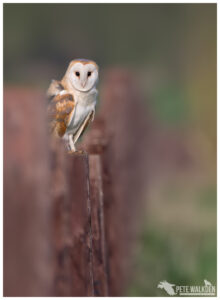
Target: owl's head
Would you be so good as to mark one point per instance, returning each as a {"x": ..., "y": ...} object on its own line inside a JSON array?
[{"x": 82, "y": 74}]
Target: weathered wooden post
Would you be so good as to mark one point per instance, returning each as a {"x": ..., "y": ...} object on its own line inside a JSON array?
[
  {"x": 28, "y": 259},
  {"x": 70, "y": 220},
  {"x": 98, "y": 226},
  {"x": 74, "y": 274},
  {"x": 79, "y": 225},
  {"x": 119, "y": 134}
]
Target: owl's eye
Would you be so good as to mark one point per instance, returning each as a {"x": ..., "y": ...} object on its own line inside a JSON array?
[
  {"x": 77, "y": 74},
  {"x": 89, "y": 74}
]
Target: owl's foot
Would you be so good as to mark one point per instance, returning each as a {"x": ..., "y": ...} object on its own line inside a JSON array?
[
  {"x": 72, "y": 148},
  {"x": 71, "y": 152},
  {"x": 76, "y": 152},
  {"x": 80, "y": 152}
]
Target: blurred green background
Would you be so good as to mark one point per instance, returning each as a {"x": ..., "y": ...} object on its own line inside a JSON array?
[{"x": 171, "y": 49}]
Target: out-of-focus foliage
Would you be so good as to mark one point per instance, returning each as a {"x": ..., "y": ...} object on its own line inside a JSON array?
[
  {"x": 171, "y": 49},
  {"x": 178, "y": 245},
  {"x": 109, "y": 33}
]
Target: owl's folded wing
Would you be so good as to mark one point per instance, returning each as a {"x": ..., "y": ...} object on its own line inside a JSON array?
[
  {"x": 60, "y": 111},
  {"x": 54, "y": 89}
]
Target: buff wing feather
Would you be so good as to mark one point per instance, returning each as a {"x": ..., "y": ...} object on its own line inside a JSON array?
[{"x": 60, "y": 111}]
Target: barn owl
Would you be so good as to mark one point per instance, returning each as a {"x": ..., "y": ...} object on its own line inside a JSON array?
[{"x": 73, "y": 100}]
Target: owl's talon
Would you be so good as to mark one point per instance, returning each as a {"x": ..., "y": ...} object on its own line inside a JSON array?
[
  {"x": 71, "y": 152},
  {"x": 76, "y": 152},
  {"x": 80, "y": 152}
]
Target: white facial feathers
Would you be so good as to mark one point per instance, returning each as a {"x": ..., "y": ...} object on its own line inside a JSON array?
[{"x": 82, "y": 76}]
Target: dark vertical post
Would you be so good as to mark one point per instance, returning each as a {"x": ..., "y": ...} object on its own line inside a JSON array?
[
  {"x": 119, "y": 135},
  {"x": 74, "y": 276},
  {"x": 98, "y": 227},
  {"x": 81, "y": 226}
]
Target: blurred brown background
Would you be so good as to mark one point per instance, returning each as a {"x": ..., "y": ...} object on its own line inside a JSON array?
[{"x": 171, "y": 51}]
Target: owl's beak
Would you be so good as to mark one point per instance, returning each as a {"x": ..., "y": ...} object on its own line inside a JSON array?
[{"x": 83, "y": 83}]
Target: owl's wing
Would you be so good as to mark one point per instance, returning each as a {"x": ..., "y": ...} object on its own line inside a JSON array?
[
  {"x": 60, "y": 111},
  {"x": 54, "y": 89}
]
